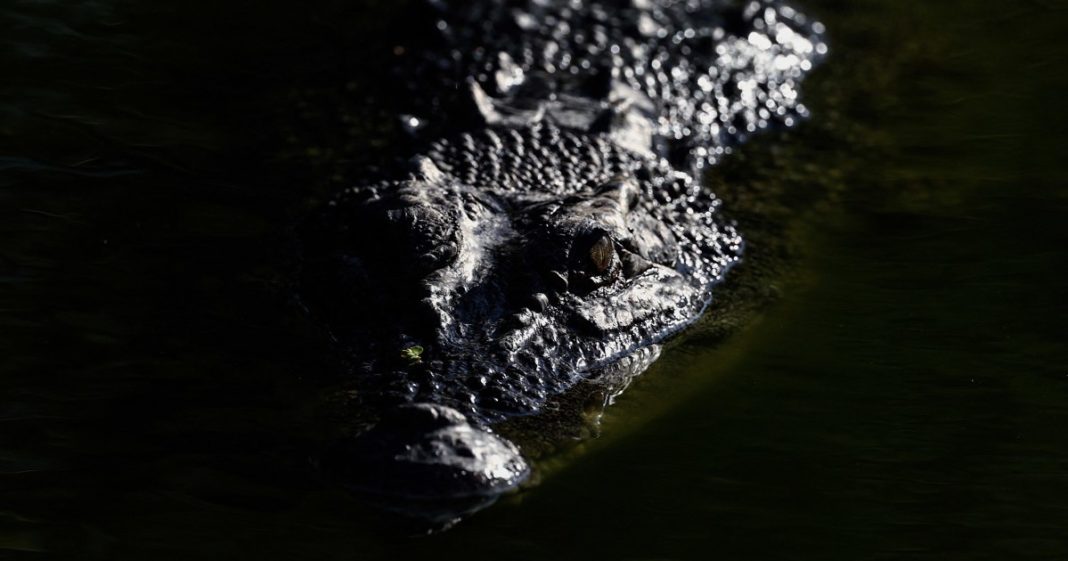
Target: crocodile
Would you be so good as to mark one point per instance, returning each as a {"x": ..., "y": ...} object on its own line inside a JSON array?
[{"x": 548, "y": 231}]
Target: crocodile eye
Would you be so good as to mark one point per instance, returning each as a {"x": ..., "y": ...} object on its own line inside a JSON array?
[{"x": 601, "y": 253}]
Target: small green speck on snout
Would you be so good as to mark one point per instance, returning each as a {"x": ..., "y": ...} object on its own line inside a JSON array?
[{"x": 412, "y": 353}]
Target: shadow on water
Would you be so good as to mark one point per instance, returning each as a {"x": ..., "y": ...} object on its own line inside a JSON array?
[{"x": 884, "y": 378}]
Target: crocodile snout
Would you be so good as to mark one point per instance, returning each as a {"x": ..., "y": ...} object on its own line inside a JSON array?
[{"x": 428, "y": 461}]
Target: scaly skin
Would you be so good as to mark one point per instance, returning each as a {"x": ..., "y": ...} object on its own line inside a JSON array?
[{"x": 556, "y": 238}]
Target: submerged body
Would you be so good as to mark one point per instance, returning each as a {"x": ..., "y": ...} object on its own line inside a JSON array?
[{"x": 553, "y": 233}]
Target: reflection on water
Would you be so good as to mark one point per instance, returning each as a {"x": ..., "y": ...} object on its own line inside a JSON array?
[{"x": 898, "y": 393}]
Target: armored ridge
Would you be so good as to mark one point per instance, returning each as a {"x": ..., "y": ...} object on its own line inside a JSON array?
[
  {"x": 559, "y": 239},
  {"x": 697, "y": 76}
]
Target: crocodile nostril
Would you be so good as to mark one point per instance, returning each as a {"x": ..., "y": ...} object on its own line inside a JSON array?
[{"x": 426, "y": 452}]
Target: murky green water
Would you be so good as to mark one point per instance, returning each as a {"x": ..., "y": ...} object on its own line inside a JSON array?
[{"x": 885, "y": 378}]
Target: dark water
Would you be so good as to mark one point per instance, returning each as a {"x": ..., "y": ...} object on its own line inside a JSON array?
[{"x": 893, "y": 386}]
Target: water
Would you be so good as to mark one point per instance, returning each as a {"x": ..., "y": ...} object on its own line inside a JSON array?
[{"x": 884, "y": 379}]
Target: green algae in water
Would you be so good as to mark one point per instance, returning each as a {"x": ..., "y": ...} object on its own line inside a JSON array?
[{"x": 412, "y": 354}]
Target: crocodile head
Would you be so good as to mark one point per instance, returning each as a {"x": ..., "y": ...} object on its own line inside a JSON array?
[{"x": 483, "y": 284}]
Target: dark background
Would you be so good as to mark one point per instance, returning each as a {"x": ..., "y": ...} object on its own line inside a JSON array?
[{"x": 901, "y": 394}]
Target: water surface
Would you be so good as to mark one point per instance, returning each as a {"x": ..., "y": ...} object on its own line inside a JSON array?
[{"x": 884, "y": 377}]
